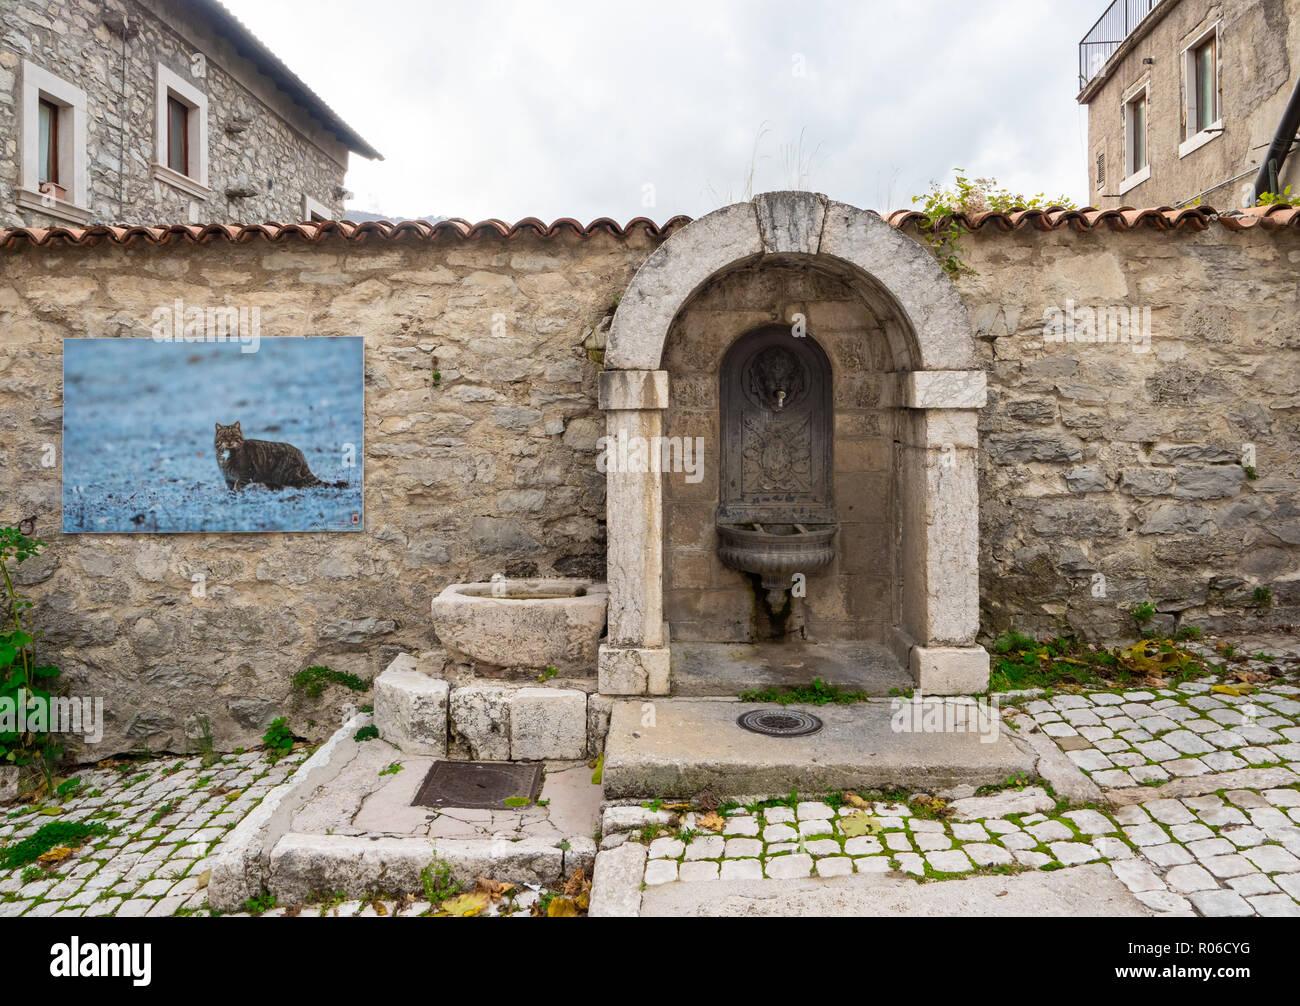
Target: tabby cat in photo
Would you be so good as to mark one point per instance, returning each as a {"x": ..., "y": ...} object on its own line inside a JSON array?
[{"x": 276, "y": 465}]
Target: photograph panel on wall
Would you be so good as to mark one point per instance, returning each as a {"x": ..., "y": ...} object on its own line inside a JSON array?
[{"x": 175, "y": 437}]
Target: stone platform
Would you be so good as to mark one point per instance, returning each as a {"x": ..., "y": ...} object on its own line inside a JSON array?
[
  {"x": 681, "y": 747},
  {"x": 727, "y": 669},
  {"x": 344, "y": 824}
]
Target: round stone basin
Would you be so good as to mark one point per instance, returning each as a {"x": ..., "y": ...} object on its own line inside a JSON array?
[
  {"x": 776, "y": 551},
  {"x": 524, "y": 623}
]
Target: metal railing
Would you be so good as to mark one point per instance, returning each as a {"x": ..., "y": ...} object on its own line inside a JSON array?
[{"x": 1109, "y": 33}]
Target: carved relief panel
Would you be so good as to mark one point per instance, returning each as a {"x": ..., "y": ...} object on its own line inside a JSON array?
[{"x": 776, "y": 430}]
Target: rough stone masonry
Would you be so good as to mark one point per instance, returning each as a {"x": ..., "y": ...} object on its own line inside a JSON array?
[{"x": 1108, "y": 476}]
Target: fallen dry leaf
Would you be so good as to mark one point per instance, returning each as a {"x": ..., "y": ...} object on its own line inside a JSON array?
[
  {"x": 494, "y": 889},
  {"x": 562, "y": 908},
  {"x": 853, "y": 800},
  {"x": 56, "y": 855},
  {"x": 712, "y": 820},
  {"x": 466, "y": 905}
]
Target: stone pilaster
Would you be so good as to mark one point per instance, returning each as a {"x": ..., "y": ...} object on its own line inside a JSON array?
[{"x": 634, "y": 659}]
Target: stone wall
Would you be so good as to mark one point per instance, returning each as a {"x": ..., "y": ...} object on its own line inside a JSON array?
[
  {"x": 1098, "y": 461},
  {"x": 281, "y": 152},
  {"x": 487, "y": 468}
]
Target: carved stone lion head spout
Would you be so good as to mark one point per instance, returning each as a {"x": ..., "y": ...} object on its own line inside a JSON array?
[{"x": 776, "y": 378}]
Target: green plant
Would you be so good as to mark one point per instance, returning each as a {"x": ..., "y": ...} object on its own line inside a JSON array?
[
  {"x": 369, "y": 733},
  {"x": 259, "y": 903},
  {"x": 278, "y": 739},
  {"x": 392, "y": 769},
  {"x": 312, "y": 681},
  {"x": 1143, "y": 612},
  {"x": 548, "y": 673},
  {"x": 819, "y": 693},
  {"x": 67, "y": 789},
  {"x": 1263, "y": 597},
  {"x": 1188, "y": 632},
  {"x": 56, "y": 834},
  {"x": 1250, "y": 472},
  {"x": 23, "y": 681},
  {"x": 204, "y": 745},
  {"x": 1274, "y": 198},
  {"x": 438, "y": 883},
  {"x": 945, "y": 210}
]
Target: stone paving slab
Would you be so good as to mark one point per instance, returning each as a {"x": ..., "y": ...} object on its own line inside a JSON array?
[
  {"x": 694, "y": 745},
  {"x": 1081, "y": 891}
]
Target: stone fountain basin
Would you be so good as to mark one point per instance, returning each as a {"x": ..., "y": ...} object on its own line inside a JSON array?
[
  {"x": 778, "y": 551},
  {"x": 524, "y": 623}
]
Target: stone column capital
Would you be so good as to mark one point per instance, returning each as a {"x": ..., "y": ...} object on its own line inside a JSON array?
[{"x": 944, "y": 389}]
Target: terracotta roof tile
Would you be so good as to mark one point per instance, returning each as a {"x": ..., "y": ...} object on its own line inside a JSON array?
[
  {"x": 420, "y": 230},
  {"x": 1166, "y": 218}
]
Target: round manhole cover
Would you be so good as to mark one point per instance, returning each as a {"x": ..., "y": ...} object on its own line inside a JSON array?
[{"x": 780, "y": 722}]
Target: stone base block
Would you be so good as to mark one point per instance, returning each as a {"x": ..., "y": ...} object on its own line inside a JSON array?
[
  {"x": 480, "y": 721},
  {"x": 633, "y": 671},
  {"x": 950, "y": 670},
  {"x": 548, "y": 723},
  {"x": 8, "y": 783},
  {"x": 411, "y": 708}
]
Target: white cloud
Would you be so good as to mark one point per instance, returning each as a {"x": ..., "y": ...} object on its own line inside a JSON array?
[{"x": 573, "y": 109}]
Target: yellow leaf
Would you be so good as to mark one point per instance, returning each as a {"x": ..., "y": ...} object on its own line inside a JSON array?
[
  {"x": 466, "y": 905},
  {"x": 1232, "y": 689},
  {"x": 56, "y": 855},
  {"x": 712, "y": 820},
  {"x": 855, "y": 824},
  {"x": 853, "y": 800},
  {"x": 562, "y": 908},
  {"x": 379, "y": 907}
]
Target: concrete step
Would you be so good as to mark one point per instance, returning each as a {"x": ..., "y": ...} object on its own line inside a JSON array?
[{"x": 681, "y": 747}]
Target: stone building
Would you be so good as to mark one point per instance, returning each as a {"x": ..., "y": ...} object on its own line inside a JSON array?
[
  {"x": 1184, "y": 99},
  {"x": 1101, "y": 413},
  {"x": 148, "y": 111}
]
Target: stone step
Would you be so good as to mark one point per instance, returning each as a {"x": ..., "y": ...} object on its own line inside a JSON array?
[{"x": 681, "y": 747}]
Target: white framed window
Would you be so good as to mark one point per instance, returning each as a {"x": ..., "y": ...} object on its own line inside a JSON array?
[
  {"x": 313, "y": 210},
  {"x": 53, "y": 146},
  {"x": 181, "y": 130},
  {"x": 1137, "y": 162},
  {"x": 1202, "y": 103}
]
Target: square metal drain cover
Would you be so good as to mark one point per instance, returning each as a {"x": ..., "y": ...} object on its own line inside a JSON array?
[{"x": 484, "y": 785}]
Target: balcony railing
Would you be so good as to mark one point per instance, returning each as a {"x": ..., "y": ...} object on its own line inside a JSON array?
[{"x": 1109, "y": 33}]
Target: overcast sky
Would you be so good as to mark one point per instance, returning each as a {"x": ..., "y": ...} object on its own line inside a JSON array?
[{"x": 589, "y": 109}]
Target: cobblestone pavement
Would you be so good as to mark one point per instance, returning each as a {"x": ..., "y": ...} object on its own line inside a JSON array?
[
  {"x": 1138, "y": 738},
  {"x": 163, "y": 819},
  {"x": 1233, "y": 852}
]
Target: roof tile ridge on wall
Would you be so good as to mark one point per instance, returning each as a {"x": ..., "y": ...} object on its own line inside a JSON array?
[{"x": 1165, "y": 218}]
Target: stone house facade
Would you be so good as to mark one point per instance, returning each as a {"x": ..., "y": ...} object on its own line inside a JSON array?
[
  {"x": 996, "y": 464},
  {"x": 1184, "y": 97},
  {"x": 141, "y": 111}
]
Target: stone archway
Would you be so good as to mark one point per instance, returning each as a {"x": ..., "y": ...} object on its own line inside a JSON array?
[{"x": 939, "y": 392}]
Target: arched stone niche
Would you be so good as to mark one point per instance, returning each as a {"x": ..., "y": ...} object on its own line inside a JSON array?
[{"x": 928, "y": 385}]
